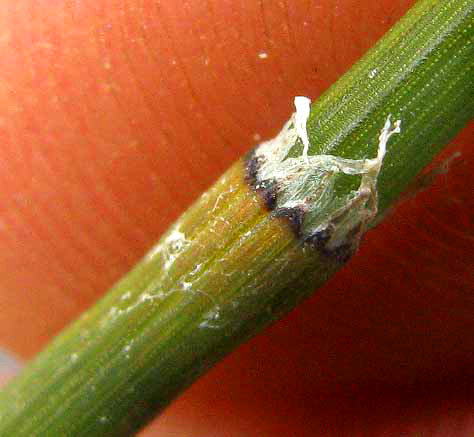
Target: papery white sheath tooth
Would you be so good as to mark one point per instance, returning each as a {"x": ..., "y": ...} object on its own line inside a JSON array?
[
  {"x": 302, "y": 105},
  {"x": 388, "y": 130}
]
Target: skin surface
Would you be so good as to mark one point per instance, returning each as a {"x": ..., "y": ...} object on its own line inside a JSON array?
[{"x": 115, "y": 115}]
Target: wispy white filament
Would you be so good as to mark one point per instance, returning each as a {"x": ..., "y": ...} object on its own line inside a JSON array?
[{"x": 302, "y": 105}]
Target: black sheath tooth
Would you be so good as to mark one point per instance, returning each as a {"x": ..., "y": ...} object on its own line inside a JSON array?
[
  {"x": 318, "y": 240},
  {"x": 252, "y": 165},
  {"x": 267, "y": 188},
  {"x": 294, "y": 216},
  {"x": 268, "y": 191},
  {"x": 342, "y": 253}
]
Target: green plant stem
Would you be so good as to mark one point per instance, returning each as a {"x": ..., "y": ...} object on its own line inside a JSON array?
[{"x": 229, "y": 266}]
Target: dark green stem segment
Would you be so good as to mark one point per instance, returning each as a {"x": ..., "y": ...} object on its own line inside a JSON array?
[
  {"x": 228, "y": 267},
  {"x": 421, "y": 72}
]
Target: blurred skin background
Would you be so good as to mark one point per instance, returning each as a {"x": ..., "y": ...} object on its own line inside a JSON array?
[{"x": 116, "y": 114}]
